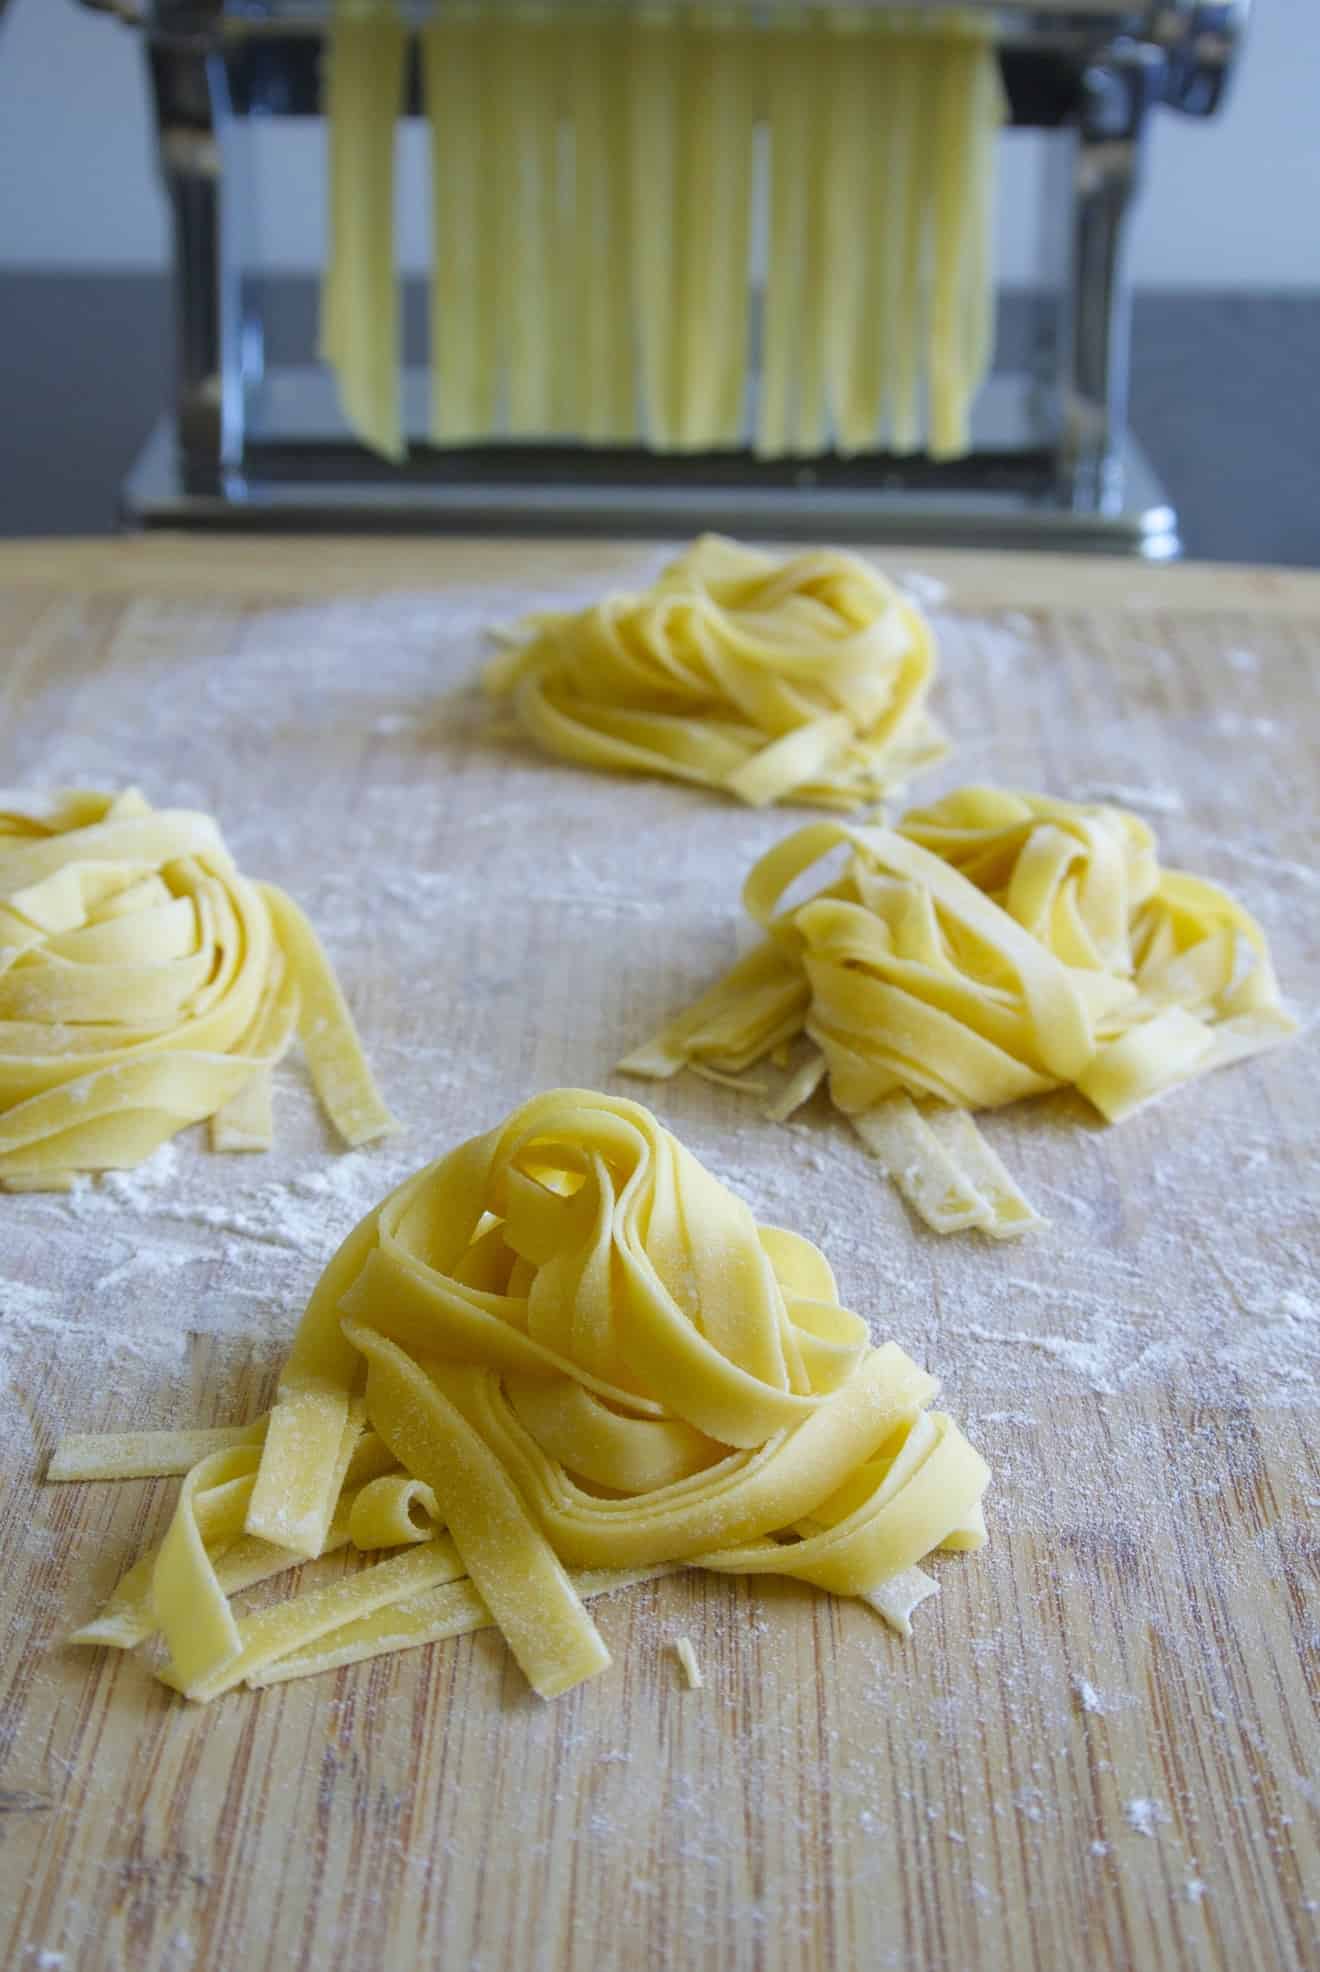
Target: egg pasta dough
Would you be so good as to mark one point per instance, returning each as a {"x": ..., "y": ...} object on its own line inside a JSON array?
[
  {"x": 803, "y": 679},
  {"x": 991, "y": 947},
  {"x": 146, "y": 984},
  {"x": 560, "y": 1360},
  {"x": 596, "y": 180}
]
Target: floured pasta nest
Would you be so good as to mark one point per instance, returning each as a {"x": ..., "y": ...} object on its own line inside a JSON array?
[
  {"x": 573, "y": 1349},
  {"x": 796, "y": 680},
  {"x": 145, "y": 985},
  {"x": 991, "y": 947}
]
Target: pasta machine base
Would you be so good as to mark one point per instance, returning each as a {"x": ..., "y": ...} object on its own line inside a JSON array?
[{"x": 1005, "y": 495}]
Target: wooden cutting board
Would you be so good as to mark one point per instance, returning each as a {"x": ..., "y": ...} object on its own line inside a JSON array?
[{"x": 1099, "y": 1750}]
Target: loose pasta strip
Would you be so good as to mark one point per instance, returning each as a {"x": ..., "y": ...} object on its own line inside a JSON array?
[
  {"x": 945, "y": 1169},
  {"x": 228, "y": 1561},
  {"x": 687, "y": 1663},
  {"x": 579, "y": 1353},
  {"x": 144, "y": 1454},
  {"x": 431, "y": 1617},
  {"x": 805, "y": 679},
  {"x": 271, "y": 1633},
  {"x": 993, "y": 947},
  {"x": 146, "y": 984}
]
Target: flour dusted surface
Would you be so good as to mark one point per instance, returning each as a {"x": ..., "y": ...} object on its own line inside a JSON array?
[{"x": 502, "y": 924}]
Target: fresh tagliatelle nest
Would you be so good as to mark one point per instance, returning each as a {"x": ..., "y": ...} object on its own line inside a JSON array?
[
  {"x": 797, "y": 680},
  {"x": 562, "y": 1359},
  {"x": 991, "y": 947},
  {"x": 145, "y": 984}
]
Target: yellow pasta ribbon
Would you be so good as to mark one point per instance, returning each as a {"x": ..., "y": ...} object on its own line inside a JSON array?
[
  {"x": 209, "y": 1556},
  {"x": 146, "y": 984},
  {"x": 593, "y": 1356},
  {"x": 393, "y": 1511},
  {"x": 359, "y": 337},
  {"x": 595, "y": 180},
  {"x": 797, "y": 680},
  {"x": 572, "y": 1347},
  {"x": 144, "y": 1454},
  {"x": 994, "y": 946},
  {"x": 431, "y": 1616}
]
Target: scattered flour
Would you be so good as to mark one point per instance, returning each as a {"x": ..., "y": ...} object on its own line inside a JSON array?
[
  {"x": 1145, "y": 1817},
  {"x": 1153, "y": 800},
  {"x": 498, "y": 930},
  {"x": 178, "y": 1250},
  {"x": 928, "y": 590},
  {"x": 1088, "y": 1360},
  {"x": 1237, "y": 725},
  {"x": 1114, "y": 1299}
]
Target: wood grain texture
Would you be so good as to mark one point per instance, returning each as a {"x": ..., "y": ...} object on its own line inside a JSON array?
[{"x": 1100, "y": 1750}]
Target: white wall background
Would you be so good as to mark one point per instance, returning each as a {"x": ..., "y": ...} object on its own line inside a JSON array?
[{"x": 1232, "y": 203}]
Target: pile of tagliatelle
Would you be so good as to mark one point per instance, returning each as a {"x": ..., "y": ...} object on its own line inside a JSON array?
[
  {"x": 562, "y": 1359},
  {"x": 773, "y": 680},
  {"x": 146, "y": 984},
  {"x": 991, "y": 947}
]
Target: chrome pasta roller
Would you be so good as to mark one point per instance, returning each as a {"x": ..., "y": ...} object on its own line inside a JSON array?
[{"x": 688, "y": 266}]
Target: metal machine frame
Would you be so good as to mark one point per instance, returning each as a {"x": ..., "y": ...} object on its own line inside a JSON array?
[{"x": 1053, "y": 463}]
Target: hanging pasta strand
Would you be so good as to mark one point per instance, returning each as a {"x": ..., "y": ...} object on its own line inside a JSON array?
[
  {"x": 953, "y": 219},
  {"x": 785, "y": 99},
  {"x": 653, "y": 129},
  {"x": 695, "y": 333},
  {"x": 715, "y": 194},
  {"x": 988, "y": 114},
  {"x": 497, "y": 294},
  {"x": 592, "y": 213},
  {"x": 851, "y": 177},
  {"x": 616, "y": 299},
  {"x": 533, "y": 146},
  {"x": 860, "y": 385},
  {"x": 894, "y": 122},
  {"x": 359, "y": 335},
  {"x": 601, "y": 354},
  {"x": 812, "y": 425},
  {"x": 922, "y": 65},
  {"x": 450, "y": 83},
  {"x": 565, "y": 302}
]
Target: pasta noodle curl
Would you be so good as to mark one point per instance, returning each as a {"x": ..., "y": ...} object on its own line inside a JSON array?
[
  {"x": 573, "y": 1349},
  {"x": 994, "y": 946},
  {"x": 145, "y": 984},
  {"x": 797, "y": 680}
]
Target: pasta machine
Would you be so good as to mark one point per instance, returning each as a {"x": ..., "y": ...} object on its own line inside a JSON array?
[{"x": 254, "y": 441}]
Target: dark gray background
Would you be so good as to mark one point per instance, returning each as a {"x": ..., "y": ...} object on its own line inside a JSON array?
[{"x": 1226, "y": 400}]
